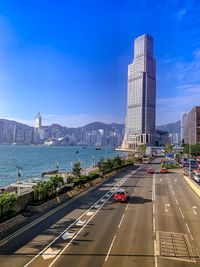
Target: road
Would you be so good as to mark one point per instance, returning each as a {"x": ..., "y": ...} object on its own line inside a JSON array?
[{"x": 158, "y": 226}]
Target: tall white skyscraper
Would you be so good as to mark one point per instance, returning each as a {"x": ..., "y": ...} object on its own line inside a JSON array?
[
  {"x": 37, "y": 128},
  {"x": 141, "y": 97}
]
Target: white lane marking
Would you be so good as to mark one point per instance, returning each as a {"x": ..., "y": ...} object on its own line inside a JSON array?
[
  {"x": 121, "y": 221},
  {"x": 189, "y": 231},
  {"x": 67, "y": 245},
  {"x": 166, "y": 207},
  {"x": 155, "y": 254},
  {"x": 154, "y": 220},
  {"x": 194, "y": 208},
  {"x": 172, "y": 191},
  {"x": 86, "y": 212},
  {"x": 153, "y": 209},
  {"x": 18, "y": 232},
  {"x": 176, "y": 201},
  {"x": 89, "y": 213},
  {"x": 110, "y": 248},
  {"x": 127, "y": 207},
  {"x": 103, "y": 200},
  {"x": 80, "y": 223},
  {"x": 175, "y": 180},
  {"x": 154, "y": 224},
  {"x": 67, "y": 235},
  {"x": 50, "y": 253},
  {"x": 160, "y": 179},
  {"x": 181, "y": 213}
]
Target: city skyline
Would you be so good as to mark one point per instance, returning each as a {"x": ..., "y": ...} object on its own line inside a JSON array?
[{"x": 71, "y": 63}]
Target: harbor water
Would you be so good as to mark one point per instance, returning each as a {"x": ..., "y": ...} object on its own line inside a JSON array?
[{"x": 37, "y": 159}]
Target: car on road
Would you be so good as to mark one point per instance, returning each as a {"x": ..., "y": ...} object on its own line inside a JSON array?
[
  {"x": 163, "y": 170},
  {"x": 150, "y": 170},
  {"x": 197, "y": 175},
  {"x": 121, "y": 195}
]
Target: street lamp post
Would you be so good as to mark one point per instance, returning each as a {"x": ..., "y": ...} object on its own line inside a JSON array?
[{"x": 18, "y": 169}]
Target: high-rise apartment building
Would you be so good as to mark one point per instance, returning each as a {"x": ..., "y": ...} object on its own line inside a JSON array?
[
  {"x": 141, "y": 97},
  {"x": 192, "y": 127}
]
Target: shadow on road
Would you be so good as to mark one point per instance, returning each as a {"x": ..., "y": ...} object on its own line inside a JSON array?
[{"x": 139, "y": 200}]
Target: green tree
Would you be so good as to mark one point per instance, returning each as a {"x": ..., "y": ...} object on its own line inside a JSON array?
[
  {"x": 109, "y": 163},
  {"x": 76, "y": 169},
  {"x": 7, "y": 203},
  {"x": 102, "y": 165},
  {"x": 117, "y": 161},
  {"x": 142, "y": 150},
  {"x": 168, "y": 148}
]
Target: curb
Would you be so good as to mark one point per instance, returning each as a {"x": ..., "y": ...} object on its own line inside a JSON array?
[{"x": 192, "y": 185}]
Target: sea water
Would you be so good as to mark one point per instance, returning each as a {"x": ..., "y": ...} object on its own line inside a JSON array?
[{"x": 37, "y": 159}]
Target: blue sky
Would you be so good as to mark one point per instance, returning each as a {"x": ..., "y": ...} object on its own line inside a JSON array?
[{"x": 68, "y": 59}]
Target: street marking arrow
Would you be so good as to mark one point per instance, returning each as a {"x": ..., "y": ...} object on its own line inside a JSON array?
[
  {"x": 166, "y": 207},
  {"x": 96, "y": 206},
  {"x": 50, "y": 253},
  {"x": 80, "y": 223},
  {"x": 194, "y": 208},
  {"x": 67, "y": 235},
  {"x": 89, "y": 213}
]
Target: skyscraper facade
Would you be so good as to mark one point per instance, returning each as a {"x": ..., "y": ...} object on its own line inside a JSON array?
[
  {"x": 192, "y": 127},
  {"x": 141, "y": 97}
]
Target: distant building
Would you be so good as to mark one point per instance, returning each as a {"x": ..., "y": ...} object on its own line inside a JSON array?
[
  {"x": 37, "y": 128},
  {"x": 141, "y": 102},
  {"x": 161, "y": 138},
  {"x": 183, "y": 123},
  {"x": 192, "y": 126}
]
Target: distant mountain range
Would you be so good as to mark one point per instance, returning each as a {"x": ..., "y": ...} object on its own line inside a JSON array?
[
  {"x": 7, "y": 128},
  {"x": 171, "y": 128}
]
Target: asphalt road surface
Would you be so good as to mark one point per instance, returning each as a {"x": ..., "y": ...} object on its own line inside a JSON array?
[{"x": 158, "y": 226}]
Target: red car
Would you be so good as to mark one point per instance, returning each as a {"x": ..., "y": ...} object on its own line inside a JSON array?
[
  {"x": 150, "y": 170},
  {"x": 163, "y": 170},
  {"x": 121, "y": 195}
]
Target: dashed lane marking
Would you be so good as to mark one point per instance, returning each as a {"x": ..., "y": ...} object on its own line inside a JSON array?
[{"x": 110, "y": 248}]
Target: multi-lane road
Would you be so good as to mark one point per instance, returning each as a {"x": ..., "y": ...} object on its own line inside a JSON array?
[{"x": 158, "y": 226}]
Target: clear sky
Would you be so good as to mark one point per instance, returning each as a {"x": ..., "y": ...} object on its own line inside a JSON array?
[{"x": 68, "y": 59}]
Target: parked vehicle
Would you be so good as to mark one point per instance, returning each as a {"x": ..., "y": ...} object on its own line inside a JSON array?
[{"x": 121, "y": 195}]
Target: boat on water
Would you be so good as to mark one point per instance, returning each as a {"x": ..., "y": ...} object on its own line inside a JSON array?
[{"x": 97, "y": 148}]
